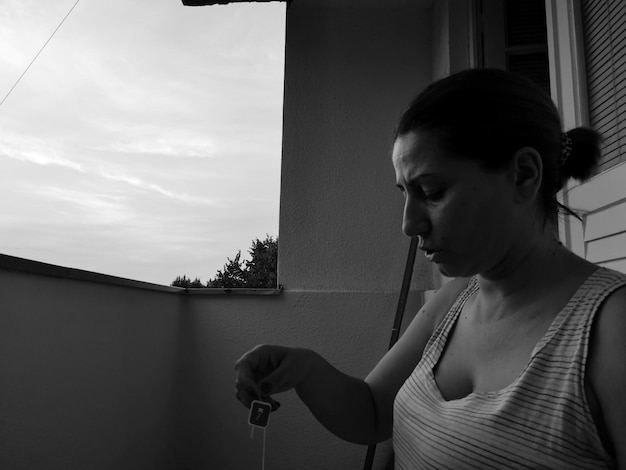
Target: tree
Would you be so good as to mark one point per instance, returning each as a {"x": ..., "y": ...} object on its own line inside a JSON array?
[
  {"x": 262, "y": 267},
  {"x": 258, "y": 272},
  {"x": 231, "y": 276},
  {"x": 186, "y": 282}
]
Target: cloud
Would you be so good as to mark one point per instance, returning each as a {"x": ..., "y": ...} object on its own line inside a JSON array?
[
  {"x": 89, "y": 208},
  {"x": 35, "y": 151},
  {"x": 41, "y": 158},
  {"x": 139, "y": 183},
  {"x": 174, "y": 143}
]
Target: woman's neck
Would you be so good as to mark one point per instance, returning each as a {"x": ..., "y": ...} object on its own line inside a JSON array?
[{"x": 532, "y": 268}]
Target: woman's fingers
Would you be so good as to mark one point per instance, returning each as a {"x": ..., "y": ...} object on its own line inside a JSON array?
[
  {"x": 245, "y": 377},
  {"x": 263, "y": 371},
  {"x": 245, "y": 397},
  {"x": 248, "y": 369},
  {"x": 291, "y": 369}
]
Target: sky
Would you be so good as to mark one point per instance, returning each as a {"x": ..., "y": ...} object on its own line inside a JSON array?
[{"x": 145, "y": 140}]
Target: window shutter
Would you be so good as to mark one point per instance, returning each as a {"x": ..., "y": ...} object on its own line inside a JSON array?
[
  {"x": 526, "y": 39},
  {"x": 604, "y": 30}
]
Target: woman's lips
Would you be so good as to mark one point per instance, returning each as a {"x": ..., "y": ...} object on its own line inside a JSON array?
[{"x": 432, "y": 255}]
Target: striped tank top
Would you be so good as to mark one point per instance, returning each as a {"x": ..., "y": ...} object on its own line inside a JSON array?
[{"x": 541, "y": 420}]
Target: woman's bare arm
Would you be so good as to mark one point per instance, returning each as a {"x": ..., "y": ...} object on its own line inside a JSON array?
[
  {"x": 606, "y": 369},
  {"x": 356, "y": 410}
]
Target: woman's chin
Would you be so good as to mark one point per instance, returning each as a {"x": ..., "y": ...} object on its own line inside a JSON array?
[{"x": 449, "y": 270}]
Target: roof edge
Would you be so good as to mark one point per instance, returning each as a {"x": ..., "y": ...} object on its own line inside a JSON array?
[{"x": 201, "y": 3}]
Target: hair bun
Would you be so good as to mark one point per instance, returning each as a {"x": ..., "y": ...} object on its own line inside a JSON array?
[{"x": 584, "y": 155}]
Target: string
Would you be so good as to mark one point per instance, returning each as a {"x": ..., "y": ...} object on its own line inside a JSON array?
[
  {"x": 40, "y": 51},
  {"x": 263, "y": 457}
]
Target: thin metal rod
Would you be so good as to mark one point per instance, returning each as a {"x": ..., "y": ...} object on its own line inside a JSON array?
[{"x": 397, "y": 324}]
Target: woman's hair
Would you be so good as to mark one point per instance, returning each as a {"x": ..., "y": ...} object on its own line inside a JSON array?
[{"x": 489, "y": 114}]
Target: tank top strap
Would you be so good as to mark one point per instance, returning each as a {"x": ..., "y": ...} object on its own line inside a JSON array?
[
  {"x": 438, "y": 339},
  {"x": 570, "y": 333}
]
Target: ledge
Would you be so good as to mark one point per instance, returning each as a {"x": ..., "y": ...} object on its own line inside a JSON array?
[
  {"x": 13, "y": 263},
  {"x": 233, "y": 291}
]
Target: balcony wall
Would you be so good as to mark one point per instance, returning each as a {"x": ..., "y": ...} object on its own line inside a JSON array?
[
  {"x": 90, "y": 373},
  {"x": 350, "y": 329},
  {"x": 100, "y": 373}
]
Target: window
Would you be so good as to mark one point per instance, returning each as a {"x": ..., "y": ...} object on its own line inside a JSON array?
[
  {"x": 514, "y": 38},
  {"x": 145, "y": 140},
  {"x": 526, "y": 40},
  {"x": 605, "y": 56}
]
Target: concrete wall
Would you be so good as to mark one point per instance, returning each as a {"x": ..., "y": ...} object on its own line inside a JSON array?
[
  {"x": 99, "y": 376},
  {"x": 89, "y": 375},
  {"x": 350, "y": 329},
  {"x": 349, "y": 75}
]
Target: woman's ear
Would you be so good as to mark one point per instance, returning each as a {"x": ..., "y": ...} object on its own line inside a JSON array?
[{"x": 527, "y": 168}]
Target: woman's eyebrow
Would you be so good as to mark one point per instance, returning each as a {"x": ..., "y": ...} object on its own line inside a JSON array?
[
  {"x": 421, "y": 176},
  {"x": 418, "y": 179}
]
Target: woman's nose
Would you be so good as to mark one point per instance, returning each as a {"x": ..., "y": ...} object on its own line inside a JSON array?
[{"x": 415, "y": 221}]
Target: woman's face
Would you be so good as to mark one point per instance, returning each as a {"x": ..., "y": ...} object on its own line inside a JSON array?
[{"x": 463, "y": 215}]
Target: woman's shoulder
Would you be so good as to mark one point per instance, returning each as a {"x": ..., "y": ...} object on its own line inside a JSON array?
[
  {"x": 612, "y": 311},
  {"x": 611, "y": 314},
  {"x": 609, "y": 273},
  {"x": 611, "y": 286},
  {"x": 605, "y": 365},
  {"x": 445, "y": 297}
]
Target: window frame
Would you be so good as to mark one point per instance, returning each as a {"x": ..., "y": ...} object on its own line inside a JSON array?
[{"x": 569, "y": 91}]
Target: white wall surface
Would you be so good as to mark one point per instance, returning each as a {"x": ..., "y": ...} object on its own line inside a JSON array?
[{"x": 601, "y": 237}]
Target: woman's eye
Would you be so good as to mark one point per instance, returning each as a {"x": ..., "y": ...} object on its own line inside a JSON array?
[{"x": 434, "y": 195}]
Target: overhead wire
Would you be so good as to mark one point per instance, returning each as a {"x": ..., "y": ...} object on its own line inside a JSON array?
[{"x": 38, "y": 53}]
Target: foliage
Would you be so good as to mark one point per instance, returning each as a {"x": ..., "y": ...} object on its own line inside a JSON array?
[
  {"x": 261, "y": 269},
  {"x": 186, "y": 282},
  {"x": 233, "y": 274},
  {"x": 258, "y": 272}
]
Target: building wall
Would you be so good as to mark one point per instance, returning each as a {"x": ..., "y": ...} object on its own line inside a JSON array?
[
  {"x": 601, "y": 237},
  {"x": 349, "y": 75},
  {"x": 452, "y": 37}
]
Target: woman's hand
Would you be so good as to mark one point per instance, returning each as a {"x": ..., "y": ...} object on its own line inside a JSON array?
[
  {"x": 343, "y": 404},
  {"x": 266, "y": 370}
]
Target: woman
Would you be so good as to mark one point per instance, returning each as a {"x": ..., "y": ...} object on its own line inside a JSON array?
[{"x": 518, "y": 362}]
